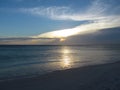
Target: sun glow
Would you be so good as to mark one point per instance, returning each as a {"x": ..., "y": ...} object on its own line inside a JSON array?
[
  {"x": 63, "y": 33},
  {"x": 62, "y": 40}
]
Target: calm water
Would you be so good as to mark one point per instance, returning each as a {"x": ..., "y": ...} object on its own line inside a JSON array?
[{"x": 24, "y": 61}]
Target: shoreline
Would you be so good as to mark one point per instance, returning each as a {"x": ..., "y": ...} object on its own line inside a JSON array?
[
  {"x": 5, "y": 79},
  {"x": 92, "y": 77}
]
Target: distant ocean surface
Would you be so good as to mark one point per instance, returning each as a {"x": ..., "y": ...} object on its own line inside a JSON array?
[{"x": 27, "y": 61}]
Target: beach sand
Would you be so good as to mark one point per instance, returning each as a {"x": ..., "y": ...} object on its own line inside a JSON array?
[{"x": 95, "y": 77}]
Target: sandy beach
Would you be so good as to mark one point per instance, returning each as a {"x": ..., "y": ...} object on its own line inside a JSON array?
[{"x": 95, "y": 77}]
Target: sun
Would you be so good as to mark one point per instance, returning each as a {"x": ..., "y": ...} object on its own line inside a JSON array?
[{"x": 62, "y": 39}]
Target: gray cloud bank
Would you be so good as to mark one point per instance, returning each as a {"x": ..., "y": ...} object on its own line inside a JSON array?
[{"x": 105, "y": 36}]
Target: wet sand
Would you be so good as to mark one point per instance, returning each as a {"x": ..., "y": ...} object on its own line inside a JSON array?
[{"x": 95, "y": 77}]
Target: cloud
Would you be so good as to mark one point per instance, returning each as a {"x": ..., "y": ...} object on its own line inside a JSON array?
[
  {"x": 104, "y": 36},
  {"x": 110, "y": 22},
  {"x": 26, "y": 40},
  {"x": 93, "y": 12},
  {"x": 96, "y": 15},
  {"x": 53, "y": 12}
]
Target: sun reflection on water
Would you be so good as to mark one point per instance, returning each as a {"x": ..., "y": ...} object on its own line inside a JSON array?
[
  {"x": 66, "y": 62},
  {"x": 66, "y": 58}
]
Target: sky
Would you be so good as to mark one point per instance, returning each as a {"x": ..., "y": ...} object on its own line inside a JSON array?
[{"x": 58, "y": 21}]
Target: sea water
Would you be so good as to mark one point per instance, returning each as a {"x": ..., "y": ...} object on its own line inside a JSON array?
[{"x": 18, "y": 61}]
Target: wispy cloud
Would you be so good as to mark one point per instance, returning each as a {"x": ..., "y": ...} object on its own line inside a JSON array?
[
  {"x": 95, "y": 11},
  {"x": 53, "y": 12}
]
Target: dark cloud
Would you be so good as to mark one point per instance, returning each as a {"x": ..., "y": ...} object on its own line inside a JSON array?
[{"x": 105, "y": 36}]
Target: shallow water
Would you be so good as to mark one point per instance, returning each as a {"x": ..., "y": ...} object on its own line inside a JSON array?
[{"x": 24, "y": 61}]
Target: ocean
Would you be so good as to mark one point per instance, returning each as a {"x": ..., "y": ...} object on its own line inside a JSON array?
[{"x": 21, "y": 61}]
